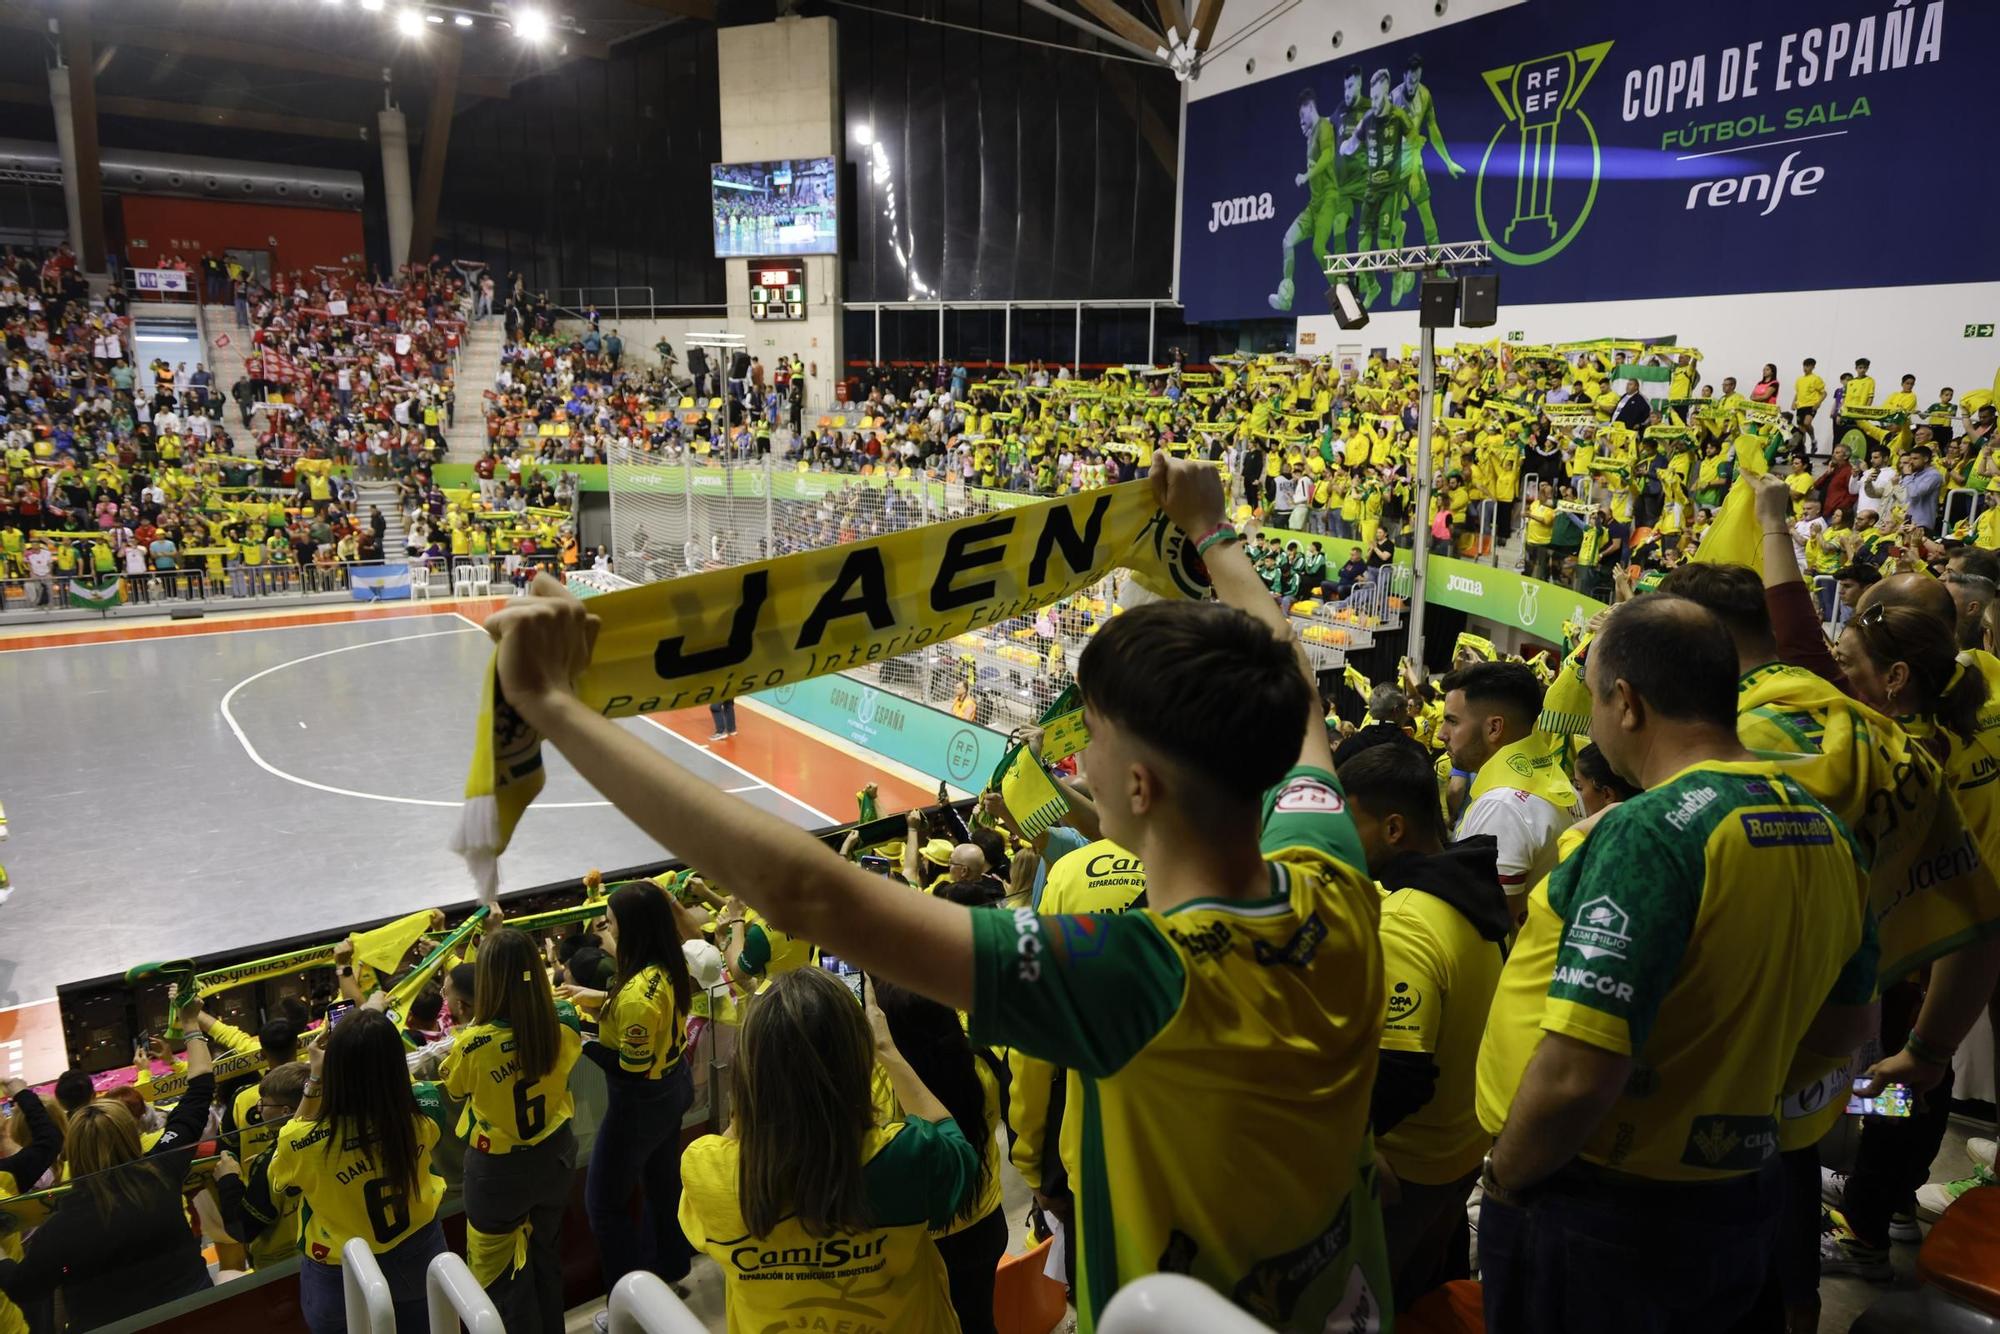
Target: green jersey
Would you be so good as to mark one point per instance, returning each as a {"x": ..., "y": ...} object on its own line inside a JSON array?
[
  {"x": 1322, "y": 158},
  {"x": 1220, "y": 1042},
  {"x": 1379, "y": 141},
  {"x": 1348, "y": 174},
  {"x": 1423, "y": 120}
]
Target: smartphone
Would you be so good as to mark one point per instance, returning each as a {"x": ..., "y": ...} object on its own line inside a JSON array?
[
  {"x": 856, "y": 983},
  {"x": 1893, "y": 1100},
  {"x": 338, "y": 1011},
  {"x": 877, "y": 865}
]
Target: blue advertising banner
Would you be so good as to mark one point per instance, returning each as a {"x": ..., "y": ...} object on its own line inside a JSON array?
[
  {"x": 928, "y": 740},
  {"x": 1608, "y": 152}
]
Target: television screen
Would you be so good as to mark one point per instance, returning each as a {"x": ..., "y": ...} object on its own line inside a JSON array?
[{"x": 775, "y": 208}]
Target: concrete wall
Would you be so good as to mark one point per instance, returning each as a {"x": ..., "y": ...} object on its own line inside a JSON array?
[{"x": 780, "y": 93}]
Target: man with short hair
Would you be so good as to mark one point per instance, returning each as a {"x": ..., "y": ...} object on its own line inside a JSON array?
[
  {"x": 1921, "y": 487},
  {"x": 1444, "y": 924},
  {"x": 1519, "y": 794},
  {"x": 1640, "y": 1042},
  {"x": 1808, "y": 392},
  {"x": 1225, "y": 1034}
]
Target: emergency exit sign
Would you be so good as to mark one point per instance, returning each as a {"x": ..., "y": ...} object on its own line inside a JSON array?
[
  {"x": 1978, "y": 331},
  {"x": 1517, "y": 336}
]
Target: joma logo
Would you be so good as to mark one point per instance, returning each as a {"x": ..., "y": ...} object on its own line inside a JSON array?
[{"x": 1244, "y": 208}]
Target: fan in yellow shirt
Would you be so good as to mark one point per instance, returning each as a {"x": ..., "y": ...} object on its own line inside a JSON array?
[
  {"x": 510, "y": 1068},
  {"x": 358, "y": 1158},
  {"x": 1445, "y": 922},
  {"x": 817, "y": 1214}
]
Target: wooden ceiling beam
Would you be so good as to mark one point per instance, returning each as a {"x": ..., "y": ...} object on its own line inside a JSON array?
[
  {"x": 1115, "y": 17},
  {"x": 1174, "y": 15},
  {"x": 1206, "y": 15}
]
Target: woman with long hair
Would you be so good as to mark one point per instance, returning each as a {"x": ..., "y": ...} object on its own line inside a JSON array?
[
  {"x": 815, "y": 1210},
  {"x": 358, "y": 1155},
  {"x": 1766, "y": 388},
  {"x": 1907, "y": 664},
  {"x": 641, "y": 1045},
  {"x": 510, "y": 1066},
  {"x": 971, "y": 1083},
  {"x": 120, "y": 1243}
]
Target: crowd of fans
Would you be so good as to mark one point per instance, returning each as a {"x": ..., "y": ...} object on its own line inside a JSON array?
[
  {"x": 136, "y": 474},
  {"x": 1324, "y": 1015}
]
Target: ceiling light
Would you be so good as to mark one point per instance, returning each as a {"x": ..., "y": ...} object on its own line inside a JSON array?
[
  {"x": 463, "y": 20},
  {"x": 864, "y": 135},
  {"x": 532, "y": 24},
  {"x": 434, "y": 18},
  {"x": 409, "y": 22},
  {"x": 372, "y": 6}
]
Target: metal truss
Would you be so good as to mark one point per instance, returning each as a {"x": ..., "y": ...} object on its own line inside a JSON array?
[{"x": 1455, "y": 254}]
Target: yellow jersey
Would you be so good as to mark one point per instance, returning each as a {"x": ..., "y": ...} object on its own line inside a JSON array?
[
  {"x": 1808, "y": 391},
  {"x": 1439, "y": 974},
  {"x": 344, "y": 1192},
  {"x": 886, "y": 1279},
  {"x": 643, "y": 1022},
  {"x": 504, "y": 1110},
  {"x": 1225, "y": 1041},
  {"x": 1653, "y": 941}
]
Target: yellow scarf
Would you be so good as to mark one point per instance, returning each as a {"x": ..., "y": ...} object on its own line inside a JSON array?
[
  {"x": 709, "y": 637},
  {"x": 1532, "y": 764}
]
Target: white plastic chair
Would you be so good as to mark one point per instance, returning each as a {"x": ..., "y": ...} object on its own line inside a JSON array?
[
  {"x": 482, "y": 578},
  {"x": 642, "y": 1303},
  {"x": 420, "y": 580},
  {"x": 461, "y": 580}
]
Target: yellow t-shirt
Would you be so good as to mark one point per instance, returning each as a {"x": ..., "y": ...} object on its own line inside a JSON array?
[
  {"x": 344, "y": 1191},
  {"x": 887, "y": 1278},
  {"x": 1809, "y": 391},
  {"x": 1440, "y": 975},
  {"x": 643, "y": 1022},
  {"x": 504, "y": 1110},
  {"x": 1653, "y": 940}
]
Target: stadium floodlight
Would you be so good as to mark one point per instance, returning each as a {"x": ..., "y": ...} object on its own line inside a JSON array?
[
  {"x": 410, "y": 22},
  {"x": 864, "y": 135},
  {"x": 531, "y": 24},
  {"x": 463, "y": 20},
  {"x": 372, "y": 6}
]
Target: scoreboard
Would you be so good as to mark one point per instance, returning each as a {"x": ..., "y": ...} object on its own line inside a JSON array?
[{"x": 777, "y": 289}]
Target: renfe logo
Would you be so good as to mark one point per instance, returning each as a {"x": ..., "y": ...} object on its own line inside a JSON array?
[
  {"x": 1246, "y": 208},
  {"x": 1759, "y": 185}
]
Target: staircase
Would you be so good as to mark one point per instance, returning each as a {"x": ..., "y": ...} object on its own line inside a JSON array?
[
  {"x": 225, "y": 363},
  {"x": 394, "y": 540},
  {"x": 478, "y": 363}
]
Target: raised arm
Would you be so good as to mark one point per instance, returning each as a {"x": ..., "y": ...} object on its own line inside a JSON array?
[
  {"x": 800, "y": 885},
  {"x": 1191, "y": 494}
]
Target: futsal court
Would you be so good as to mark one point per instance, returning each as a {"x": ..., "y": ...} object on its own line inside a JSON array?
[{"x": 305, "y": 773}]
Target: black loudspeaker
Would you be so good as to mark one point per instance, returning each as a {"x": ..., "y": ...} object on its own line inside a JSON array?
[
  {"x": 1348, "y": 312},
  {"x": 186, "y": 614},
  {"x": 1437, "y": 303},
  {"x": 1479, "y": 300}
]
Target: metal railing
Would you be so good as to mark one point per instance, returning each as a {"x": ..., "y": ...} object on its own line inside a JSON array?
[
  {"x": 1174, "y": 1304},
  {"x": 454, "y": 1298},
  {"x": 642, "y": 1304},
  {"x": 370, "y": 1307},
  {"x": 164, "y": 590},
  {"x": 1973, "y": 503}
]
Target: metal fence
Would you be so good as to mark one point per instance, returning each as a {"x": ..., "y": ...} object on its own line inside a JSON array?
[{"x": 23, "y": 598}]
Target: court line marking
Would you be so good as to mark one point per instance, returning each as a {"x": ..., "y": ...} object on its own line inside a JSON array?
[
  {"x": 243, "y": 740},
  {"x": 755, "y": 781},
  {"x": 11, "y": 644}
]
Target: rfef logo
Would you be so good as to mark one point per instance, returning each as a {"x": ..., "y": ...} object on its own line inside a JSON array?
[{"x": 1538, "y": 97}]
